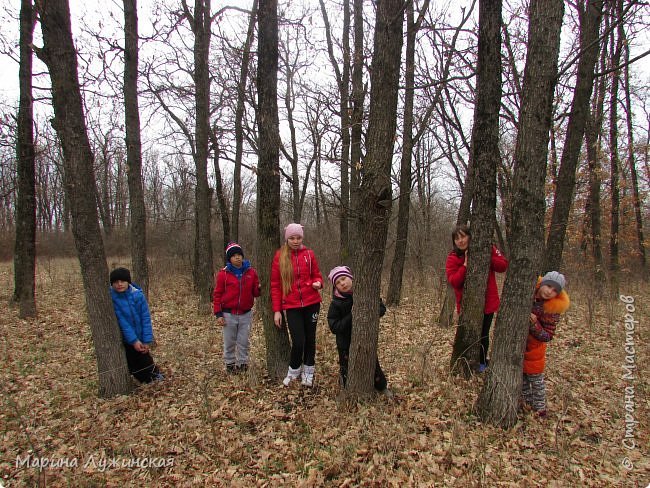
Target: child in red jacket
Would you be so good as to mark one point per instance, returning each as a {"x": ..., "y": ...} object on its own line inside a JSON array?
[
  {"x": 236, "y": 287},
  {"x": 456, "y": 269},
  {"x": 296, "y": 282},
  {"x": 550, "y": 300}
]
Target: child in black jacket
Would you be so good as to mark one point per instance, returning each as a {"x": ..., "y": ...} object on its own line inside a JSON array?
[{"x": 339, "y": 318}]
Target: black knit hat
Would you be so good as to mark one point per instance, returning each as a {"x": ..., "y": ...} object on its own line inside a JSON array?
[
  {"x": 120, "y": 274},
  {"x": 233, "y": 248}
]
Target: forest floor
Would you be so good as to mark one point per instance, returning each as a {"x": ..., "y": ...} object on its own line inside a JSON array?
[{"x": 201, "y": 426}]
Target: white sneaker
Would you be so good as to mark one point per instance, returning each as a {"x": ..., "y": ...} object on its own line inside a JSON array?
[
  {"x": 292, "y": 374},
  {"x": 308, "y": 376}
]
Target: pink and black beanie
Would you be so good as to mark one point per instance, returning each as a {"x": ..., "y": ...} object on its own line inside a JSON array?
[
  {"x": 337, "y": 272},
  {"x": 233, "y": 248}
]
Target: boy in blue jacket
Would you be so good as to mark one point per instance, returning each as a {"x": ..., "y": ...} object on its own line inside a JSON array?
[{"x": 132, "y": 312}]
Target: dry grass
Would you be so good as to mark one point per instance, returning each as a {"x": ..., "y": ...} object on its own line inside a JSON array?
[{"x": 220, "y": 430}]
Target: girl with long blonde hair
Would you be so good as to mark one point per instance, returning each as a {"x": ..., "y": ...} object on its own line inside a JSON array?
[{"x": 296, "y": 282}]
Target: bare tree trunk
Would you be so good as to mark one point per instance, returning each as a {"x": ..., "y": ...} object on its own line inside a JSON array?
[
  {"x": 614, "y": 163},
  {"x": 593, "y": 130},
  {"x": 221, "y": 197},
  {"x": 102, "y": 189},
  {"x": 375, "y": 192},
  {"x": 405, "y": 182},
  {"x": 498, "y": 400},
  {"x": 268, "y": 181},
  {"x": 203, "y": 263},
  {"x": 343, "y": 81},
  {"x": 593, "y": 199},
  {"x": 485, "y": 160},
  {"x": 137, "y": 211},
  {"x": 565, "y": 189},
  {"x": 289, "y": 103},
  {"x": 356, "y": 123},
  {"x": 239, "y": 130},
  {"x": 25, "y": 247},
  {"x": 643, "y": 262},
  {"x": 59, "y": 55}
]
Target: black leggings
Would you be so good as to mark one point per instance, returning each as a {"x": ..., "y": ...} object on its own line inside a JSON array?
[
  {"x": 302, "y": 328},
  {"x": 485, "y": 336},
  {"x": 141, "y": 365}
]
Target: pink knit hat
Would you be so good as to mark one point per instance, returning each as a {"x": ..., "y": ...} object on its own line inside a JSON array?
[
  {"x": 339, "y": 271},
  {"x": 293, "y": 230}
]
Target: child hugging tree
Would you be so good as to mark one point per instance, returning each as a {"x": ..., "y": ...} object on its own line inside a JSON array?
[
  {"x": 132, "y": 312},
  {"x": 550, "y": 300},
  {"x": 339, "y": 318}
]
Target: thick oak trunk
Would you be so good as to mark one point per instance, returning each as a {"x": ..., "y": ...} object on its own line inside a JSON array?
[
  {"x": 59, "y": 55},
  {"x": 203, "y": 263},
  {"x": 375, "y": 195},
  {"x": 268, "y": 182},
  {"x": 25, "y": 247},
  {"x": 485, "y": 160},
  {"x": 498, "y": 400}
]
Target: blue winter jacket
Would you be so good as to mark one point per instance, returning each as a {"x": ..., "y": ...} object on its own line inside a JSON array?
[{"x": 132, "y": 314}]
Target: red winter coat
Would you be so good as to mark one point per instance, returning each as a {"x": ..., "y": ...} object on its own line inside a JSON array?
[
  {"x": 305, "y": 272},
  {"x": 542, "y": 331},
  {"x": 233, "y": 295},
  {"x": 456, "y": 278}
]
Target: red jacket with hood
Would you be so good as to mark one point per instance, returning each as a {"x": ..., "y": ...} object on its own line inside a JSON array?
[
  {"x": 456, "y": 271},
  {"x": 305, "y": 272}
]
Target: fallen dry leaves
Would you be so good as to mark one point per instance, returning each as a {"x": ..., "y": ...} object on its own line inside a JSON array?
[{"x": 247, "y": 430}]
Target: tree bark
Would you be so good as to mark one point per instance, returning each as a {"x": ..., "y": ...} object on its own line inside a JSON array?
[
  {"x": 59, "y": 55},
  {"x": 221, "y": 196},
  {"x": 356, "y": 123},
  {"x": 394, "y": 294},
  {"x": 343, "y": 82},
  {"x": 203, "y": 262},
  {"x": 614, "y": 163},
  {"x": 137, "y": 210},
  {"x": 268, "y": 181},
  {"x": 485, "y": 160},
  {"x": 593, "y": 130},
  {"x": 289, "y": 103},
  {"x": 25, "y": 247},
  {"x": 499, "y": 398},
  {"x": 375, "y": 194},
  {"x": 565, "y": 189}
]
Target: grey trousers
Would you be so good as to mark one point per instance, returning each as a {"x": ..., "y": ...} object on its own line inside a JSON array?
[
  {"x": 235, "y": 338},
  {"x": 534, "y": 391}
]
